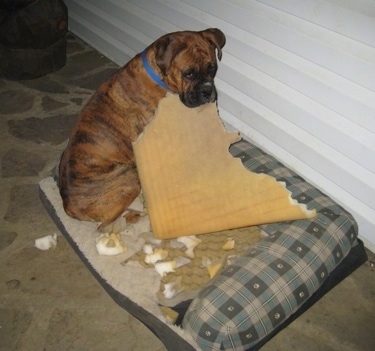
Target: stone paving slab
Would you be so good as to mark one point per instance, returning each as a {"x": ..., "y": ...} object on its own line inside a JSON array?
[{"x": 48, "y": 299}]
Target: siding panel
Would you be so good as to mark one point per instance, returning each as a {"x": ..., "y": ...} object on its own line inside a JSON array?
[
  {"x": 297, "y": 78},
  {"x": 335, "y": 17}
]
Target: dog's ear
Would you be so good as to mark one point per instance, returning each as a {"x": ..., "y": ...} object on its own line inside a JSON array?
[
  {"x": 167, "y": 48},
  {"x": 216, "y": 37}
]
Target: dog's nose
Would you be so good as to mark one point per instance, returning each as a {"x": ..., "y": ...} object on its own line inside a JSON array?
[{"x": 206, "y": 90}]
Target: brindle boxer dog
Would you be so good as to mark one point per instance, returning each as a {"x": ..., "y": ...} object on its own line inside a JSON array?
[{"x": 98, "y": 178}]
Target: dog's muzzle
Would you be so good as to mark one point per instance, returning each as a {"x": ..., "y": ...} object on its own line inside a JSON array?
[{"x": 203, "y": 94}]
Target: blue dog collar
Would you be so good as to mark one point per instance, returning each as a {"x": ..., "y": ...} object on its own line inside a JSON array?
[{"x": 152, "y": 73}]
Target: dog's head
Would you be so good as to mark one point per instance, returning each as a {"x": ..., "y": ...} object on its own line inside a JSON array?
[{"x": 187, "y": 62}]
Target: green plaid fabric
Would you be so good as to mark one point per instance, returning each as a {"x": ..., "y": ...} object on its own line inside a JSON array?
[{"x": 251, "y": 297}]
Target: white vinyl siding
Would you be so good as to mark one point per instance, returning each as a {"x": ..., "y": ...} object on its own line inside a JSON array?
[{"x": 297, "y": 78}]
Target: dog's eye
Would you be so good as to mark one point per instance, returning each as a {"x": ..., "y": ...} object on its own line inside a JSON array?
[
  {"x": 190, "y": 74},
  {"x": 211, "y": 68}
]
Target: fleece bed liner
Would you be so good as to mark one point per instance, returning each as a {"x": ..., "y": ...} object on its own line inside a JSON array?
[{"x": 142, "y": 304}]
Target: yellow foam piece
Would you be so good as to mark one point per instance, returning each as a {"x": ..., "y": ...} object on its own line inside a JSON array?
[{"x": 193, "y": 185}]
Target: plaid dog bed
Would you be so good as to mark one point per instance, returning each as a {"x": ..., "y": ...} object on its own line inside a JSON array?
[{"x": 260, "y": 290}]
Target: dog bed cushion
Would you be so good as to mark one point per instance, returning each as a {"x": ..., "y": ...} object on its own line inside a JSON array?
[{"x": 263, "y": 288}]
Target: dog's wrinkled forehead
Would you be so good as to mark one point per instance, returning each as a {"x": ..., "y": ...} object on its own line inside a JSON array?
[
  {"x": 196, "y": 51},
  {"x": 195, "y": 55}
]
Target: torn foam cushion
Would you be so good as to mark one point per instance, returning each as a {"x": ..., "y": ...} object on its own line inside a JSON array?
[{"x": 191, "y": 182}]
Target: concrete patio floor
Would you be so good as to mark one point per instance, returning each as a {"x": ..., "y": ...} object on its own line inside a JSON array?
[{"x": 48, "y": 299}]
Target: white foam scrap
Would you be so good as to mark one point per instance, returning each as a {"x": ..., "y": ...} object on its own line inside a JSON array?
[
  {"x": 190, "y": 243},
  {"x": 148, "y": 249},
  {"x": 110, "y": 244},
  {"x": 157, "y": 255},
  {"x": 46, "y": 242},
  {"x": 173, "y": 288},
  {"x": 165, "y": 267}
]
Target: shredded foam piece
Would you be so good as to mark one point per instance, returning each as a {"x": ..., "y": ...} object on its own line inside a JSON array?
[
  {"x": 156, "y": 255},
  {"x": 182, "y": 261},
  {"x": 213, "y": 266},
  {"x": 173, "y": 288},
  {"x": 163, "y": 268},
  {"x": 148, "y": 249},
  {"x": 46, "y": 242},
  {"x": 169, "y": 314},
  {"x": 190, "y": 242},
  {"x": 229, "y": 245},
  {"x": 110, "y": 244},
  {"x": 193, "y": 185}
]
